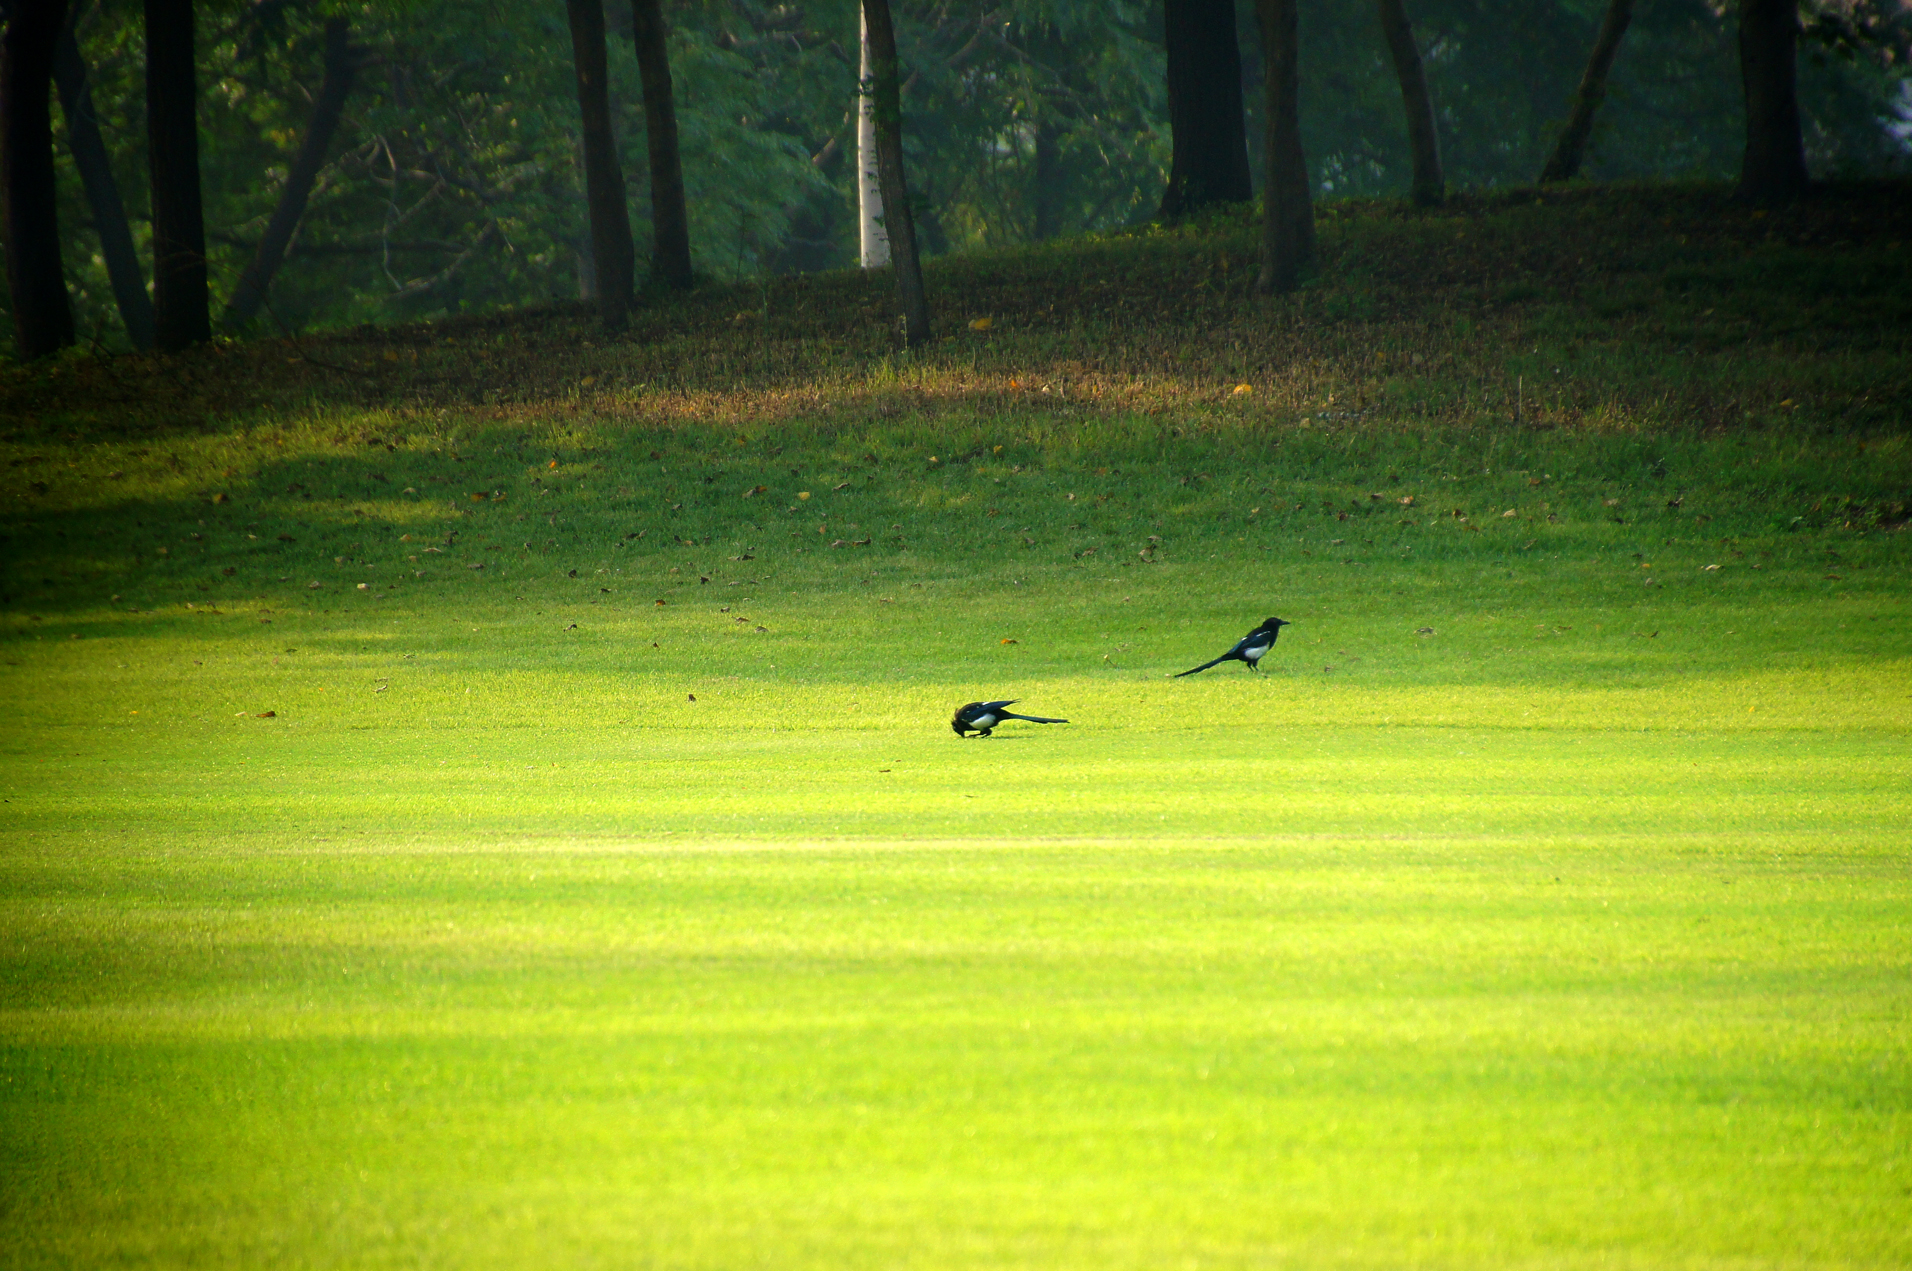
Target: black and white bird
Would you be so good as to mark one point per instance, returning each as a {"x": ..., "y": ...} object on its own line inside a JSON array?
[
  {"x": 1249, "y": 649},
  {"x": 981, "y": 717}
]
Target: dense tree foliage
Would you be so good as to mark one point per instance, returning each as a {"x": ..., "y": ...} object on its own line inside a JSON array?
[{"x": 456, "y": 178}]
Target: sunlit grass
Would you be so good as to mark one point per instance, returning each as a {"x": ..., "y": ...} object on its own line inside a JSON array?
[{"x": 629, "y": 901}]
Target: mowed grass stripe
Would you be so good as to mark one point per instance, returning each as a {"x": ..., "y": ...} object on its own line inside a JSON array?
[{"x": 1576, "y": 1053}]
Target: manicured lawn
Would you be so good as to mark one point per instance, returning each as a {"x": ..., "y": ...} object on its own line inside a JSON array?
[
  {"x": 1539, "y": 941},
  {"x": 482, "y": 795}
]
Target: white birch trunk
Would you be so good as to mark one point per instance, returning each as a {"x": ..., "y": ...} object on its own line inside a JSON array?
[{"x": 872, "y": 242}]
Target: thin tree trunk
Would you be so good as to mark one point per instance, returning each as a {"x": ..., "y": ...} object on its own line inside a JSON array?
[
  {"x": 1288, "y": 235},
  {"x": 1210, "y": 163},
  {"x": 102, "y": 192},
  {"x": 872, "y": 244},
  {"x": 670, "y": 223},
  {"x": 29, "y": 213},
  {"x": 1564, "y": 165},
  {"x": 1773, "y": 169},
  {"x": 1430, "y": 187},
  {"x": 612, "y": 255},
  {"x": 181, "y": 314},
  {"x": 1048, "y": 181},
  {"x": 885, "y": 90},
  {"x": 255, "y": 282}
]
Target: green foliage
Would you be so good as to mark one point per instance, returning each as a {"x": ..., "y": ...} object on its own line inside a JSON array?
[{"x": 455, "y": 185}]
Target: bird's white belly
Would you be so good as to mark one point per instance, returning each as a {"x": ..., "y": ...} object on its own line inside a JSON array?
[
  {"x": 984, "y": 721},
  {"x": 1254, "y": 651}
]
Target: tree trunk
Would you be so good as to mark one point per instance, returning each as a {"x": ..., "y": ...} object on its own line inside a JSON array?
[
  {"x": 614, "y": 259},
  {"x": 1564, "y": 165},
  {"x": 42, "y": 315},
  {"x": 337, "y": 82},
  {"x": 1773, "y": 169},
  {"x": 670, "y": 223},
  {"x": 872, "y": 244},
  {"x": 1430, "y": 187},
  {"x": 1048, "y": 181},
  {"x": 102, "y": 192},
  {"x": 1204, "y": 107},
  {"x": 181, "y": 315},
  {"x": 1288, "y": 236},
  {"x": 885, "y": 90}
]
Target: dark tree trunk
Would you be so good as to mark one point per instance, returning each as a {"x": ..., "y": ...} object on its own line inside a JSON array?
[
  {"x": 257, "y": 278},
  {"x": 1774, "y": 167},
  {"x": 1564, "y": 165},
  {"x": 1288, "y": 237},
  {"x": 181, "y": 313},
  {"x": 886, "y": 92},
  {"x": 1430, "y": 187},
  {"x": 1048, "y": 182},
  {"x": 42, "y": 315},
  {"x": 613, "y": 257},
  {"x": 102, "y": 192},
  {"x": 1204, "y": 107},
  {"x": 670, "y": 223}
]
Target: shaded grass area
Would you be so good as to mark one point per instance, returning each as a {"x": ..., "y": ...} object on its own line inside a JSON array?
[
  {"x": 453, "y": 812},
  {"x": 1617, "y": 306}
]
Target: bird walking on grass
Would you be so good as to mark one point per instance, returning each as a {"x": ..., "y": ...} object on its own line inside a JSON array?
[
  {"x": 982, "y": 717},
  {"x": 1249, "y": 649}
]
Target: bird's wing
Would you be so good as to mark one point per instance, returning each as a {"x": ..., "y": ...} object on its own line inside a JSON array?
[{"x": 996, "y": 706}]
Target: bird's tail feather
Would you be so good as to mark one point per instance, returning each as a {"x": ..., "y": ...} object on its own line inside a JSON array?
[
  {"x": 1203, "y": 667},
  {"x": 1034, "y": 719}
]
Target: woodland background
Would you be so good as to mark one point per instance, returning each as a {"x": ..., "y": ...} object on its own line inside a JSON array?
[{"x": 456, "y": 182}]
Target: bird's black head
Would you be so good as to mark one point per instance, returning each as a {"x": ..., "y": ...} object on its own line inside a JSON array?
[{"x": 1276, "y": 624}]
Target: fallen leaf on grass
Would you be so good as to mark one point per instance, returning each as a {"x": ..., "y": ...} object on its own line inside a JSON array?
[
  {"x": 267, "y": 715},
  {"x": 980, "y": 324},
  {"x": 1010, "y": 642}
]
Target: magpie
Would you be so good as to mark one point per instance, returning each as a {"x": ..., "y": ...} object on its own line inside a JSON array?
[
  {"x": 981, "y": 717},
  {"x": 1249, "y": 648}
]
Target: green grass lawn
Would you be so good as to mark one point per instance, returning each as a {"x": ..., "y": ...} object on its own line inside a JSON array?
[{"x": 628, "y": 901}]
